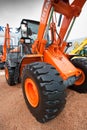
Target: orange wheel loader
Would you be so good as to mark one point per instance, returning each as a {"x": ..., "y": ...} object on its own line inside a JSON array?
[{"x": 47, "y": 71}]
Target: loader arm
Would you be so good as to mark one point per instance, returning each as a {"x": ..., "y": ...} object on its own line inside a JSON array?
[
  {"x": 68, "y": 10},
  {"x": 54, "y": 53}
]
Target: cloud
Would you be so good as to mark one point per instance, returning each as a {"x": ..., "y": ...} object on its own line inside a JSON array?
[{"x": 13, "y": 11}]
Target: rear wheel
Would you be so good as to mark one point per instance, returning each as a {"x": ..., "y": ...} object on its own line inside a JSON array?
[
  {"x": 2, "y": 65},
  {"x": 43, "y": 91},
  {"x": 81, "y": 84},
  {"x": 9, "y": 75}
]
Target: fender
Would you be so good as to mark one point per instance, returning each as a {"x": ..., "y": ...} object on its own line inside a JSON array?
[{"x": 27, "y": 59}]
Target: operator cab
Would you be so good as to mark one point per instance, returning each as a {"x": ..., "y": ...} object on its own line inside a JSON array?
[
  {"x": 29, "y": 30},
  {"x": 28, "y": 33}
]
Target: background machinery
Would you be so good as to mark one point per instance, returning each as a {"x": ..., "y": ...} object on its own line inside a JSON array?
[
  {"x": 5, "y": 47},
  {"x": 80, "y": 49},
  {"x": 47, "y": 71}
]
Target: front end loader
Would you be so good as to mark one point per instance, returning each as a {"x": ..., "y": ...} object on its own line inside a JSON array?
[{"x": 47, "y": 71}]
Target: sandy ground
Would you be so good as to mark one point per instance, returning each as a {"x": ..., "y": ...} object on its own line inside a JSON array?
[{"x": 14, "y": 114}]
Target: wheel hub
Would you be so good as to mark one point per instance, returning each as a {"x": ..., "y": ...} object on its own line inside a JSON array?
[{"x": 31, "y": 92}]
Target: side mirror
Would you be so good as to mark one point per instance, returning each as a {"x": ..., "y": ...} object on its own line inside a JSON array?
[
  {"x": 23, "y": 30},
  {"x": 23, "y": 27}
]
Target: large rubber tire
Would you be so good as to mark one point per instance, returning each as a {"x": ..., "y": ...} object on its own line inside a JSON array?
[
  {"x": 9, "y": 75},
  {"x": 51, "y": 90},
  {"x": 81, "y": 63}
]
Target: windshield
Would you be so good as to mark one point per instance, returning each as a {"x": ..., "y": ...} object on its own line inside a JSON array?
[
  {"x": 29, "y": 29},
  {"x": 33, "y": 27}
]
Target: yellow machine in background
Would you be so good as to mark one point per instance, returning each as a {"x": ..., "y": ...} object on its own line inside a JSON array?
[{"x": 80, "y": 49}]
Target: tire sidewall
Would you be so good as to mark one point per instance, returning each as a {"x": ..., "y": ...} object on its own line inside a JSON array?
[{"x": 30, "y": 75}]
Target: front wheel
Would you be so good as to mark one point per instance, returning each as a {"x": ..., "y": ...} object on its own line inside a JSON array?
[
  {"x": 81, "y": 84},
  {"x": 43, "y": 91}
]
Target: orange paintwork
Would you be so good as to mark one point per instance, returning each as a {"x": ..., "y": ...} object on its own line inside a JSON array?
[
  {"x": 27, "y": 59},
  {"x": 6, "y": 73},
  {"x": 54, "y": 54},
  {"x": 6, "y": 44},
  {"x": 81, "y": 79},
  {"x": 61, "y": 63},
  {"x": 31, "y": 92}
]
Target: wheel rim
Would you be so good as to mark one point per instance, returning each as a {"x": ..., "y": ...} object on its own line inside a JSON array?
[
  {"x": 31, "y": 92},
  {"x": 6, "y": 73},
  {"x": 81, "y": 79}
]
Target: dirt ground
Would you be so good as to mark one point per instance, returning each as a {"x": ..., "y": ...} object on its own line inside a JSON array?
[{"x": 14, "y": 114}]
